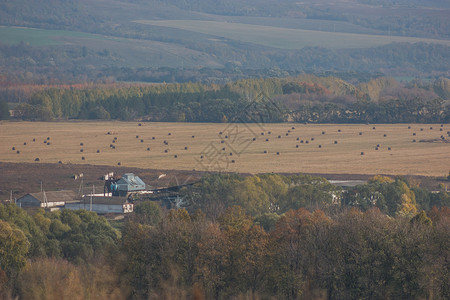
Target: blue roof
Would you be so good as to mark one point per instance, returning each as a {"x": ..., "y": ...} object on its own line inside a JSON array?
[{"x": 130, "y": 182}]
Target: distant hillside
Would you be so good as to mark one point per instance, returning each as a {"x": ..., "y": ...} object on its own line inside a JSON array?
[{"x": 84, "y": 40}]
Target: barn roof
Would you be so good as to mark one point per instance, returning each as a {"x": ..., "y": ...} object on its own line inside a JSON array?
[
  {"x": 130, "y": 182},
  {"x": 55, "y": 196},
  {"x": 104, "y": 200}
]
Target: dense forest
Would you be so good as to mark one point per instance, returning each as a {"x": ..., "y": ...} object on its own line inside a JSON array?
[
  {"x": 256, "y": 237},
  {"x": 304, "y": 98}
]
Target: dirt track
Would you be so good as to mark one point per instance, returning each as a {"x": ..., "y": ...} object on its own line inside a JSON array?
[{"x": 22, "y": 178}]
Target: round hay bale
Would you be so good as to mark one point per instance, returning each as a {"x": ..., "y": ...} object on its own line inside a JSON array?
[
  {"x": 306, "y": 142},
  {"x": 231, "y": 153},
  {"x": 34, "y": 140},
  {"x": 119, "y": 163},
  {"x": 279, "y": 136},
  {"x": 175, "y": 156},
  {"x": 25, "y": 143},
  {"x": 81, "y": 144},
  {"x": 48, "y": 143},
  {"x": 296, "y": 146},
  {"x": 431, "y": 128},
  {"x": 312, "y": 139},
  {"x": 114, "y": 141},
  {"x": 262, "y": 133},
  {"x": 320, "y": 146},
  {"x": 166, "y": 150},
  {"x": 421, "y": 129},
  {"x": 253, "y": 139},
  {"x": 414, "y": 133},
  {"x": 220, "y": 132},
  {"x": 335, "y": 142},
  {"x": 269, "y": 132},
  {"x": 233, "y": 161},
  {"x": 409, "y": 127},
  {"x": 139, "y": 124},
  {"x": 82, "y": 158},
  {"x": 323, "y": 132},
  {"x": 169, "y": 133},
  {"x": 37, "y": 159},
  {"x": 293, "y": 127},
  {"x": 153, "y": 137},
  {"x": 108, "y": 133},
  {"x": 115, "y": 137},
  {"x": 373, "y": 128},
  {"x": 267, "y": 140},
  {"x": 301, "y": 141},
  {"x": 98, "y": 151},
  {"x": 114, "y": 147},
  {"x": 148, "y": 149},
  {"x": 385, "y": 135},
  {"x": 362, "y": 153},
  {"x": 142, "y": 141},
  {"x": 389, "y": 148},
  {"x": 376, "y": 148},
  {"x": 265, "y": 151},
  {"x": 18, "y": 152},
  {"x": 59, "y": 162},
  {"x": 13, "y": 148},
  {"x": 222, "y": 141},
  {"x": 360, "y": 133},
  {"x": 137, "y": 136},
  {"x": 48, "y": 138},
  {"x": 413, "y": 141},
  {"x": 440, "y": 129},
  {"x": 442, "y": 125},
  {"x": 278, "y": 153},
  {"x": 185, "y": 148},
  {"x": 298, "y": 139},
  {"x": 287, "y": 134},
  {"x": 339, "y": 130},
  {"x": 201, "y": 156},
  {"x": 193, "y": 136},
  {"x": 81, "y": 150},
  {"x": 226, "y": 136}
]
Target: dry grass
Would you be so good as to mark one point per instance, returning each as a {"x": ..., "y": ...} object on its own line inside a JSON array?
[{"x": 404, "y": 158}]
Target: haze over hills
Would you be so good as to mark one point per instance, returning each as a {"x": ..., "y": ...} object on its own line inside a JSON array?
[{"x": 217, "y": 41}]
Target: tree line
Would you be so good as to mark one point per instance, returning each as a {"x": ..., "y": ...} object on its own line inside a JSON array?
[
  {"x": 262, "y": 236},
  {"x": 305, "y": 98}
]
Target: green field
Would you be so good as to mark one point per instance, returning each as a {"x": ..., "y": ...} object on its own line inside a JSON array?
[
  {"x": 286, "y": 38},
  {"x": 39, "y": 37}
]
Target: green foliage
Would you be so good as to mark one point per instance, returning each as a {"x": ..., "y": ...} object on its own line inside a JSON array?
[
  {"x": 13, "y": 249},
  {"x": 4, "y": 110}
]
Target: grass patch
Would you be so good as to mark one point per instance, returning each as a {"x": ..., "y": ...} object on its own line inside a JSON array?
[
  {"x": 286, "y": 38},
  {"x": 39, "y": 37}
]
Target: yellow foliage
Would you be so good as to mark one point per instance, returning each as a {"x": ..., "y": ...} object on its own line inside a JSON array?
[{"x": 381, "y": 179}]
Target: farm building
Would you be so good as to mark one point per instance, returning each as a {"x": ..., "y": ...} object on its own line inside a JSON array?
[
  {"x": 128, "y": 183},
  {"x": 103, "y": 205},
  {"x": 52, "y": 200}
]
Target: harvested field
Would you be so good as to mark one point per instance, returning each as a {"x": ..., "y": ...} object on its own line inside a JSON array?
[{"x": 388, "y": 149}]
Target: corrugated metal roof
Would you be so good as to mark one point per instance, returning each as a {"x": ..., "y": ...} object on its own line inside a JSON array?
[
  {"x": 55, "y": 196},
  {"x": 104, "y": 200},
  {"x": 130, "y": 182}
]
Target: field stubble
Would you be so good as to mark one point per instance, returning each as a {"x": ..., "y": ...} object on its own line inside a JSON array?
[{"x": 326, "y": 149}]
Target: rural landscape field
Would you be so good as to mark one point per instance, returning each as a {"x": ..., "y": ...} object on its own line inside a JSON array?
[{"x": 348, "y": 149}]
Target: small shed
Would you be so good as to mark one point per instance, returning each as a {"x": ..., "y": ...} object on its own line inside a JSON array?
[
  {"x": 52, "y": 199},
  {"x": 103, "y": 205},
  {"x": 128, "y": 183}
]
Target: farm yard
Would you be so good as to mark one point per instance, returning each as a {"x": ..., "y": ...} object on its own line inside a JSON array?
[{"x": 400, "y": 149}]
